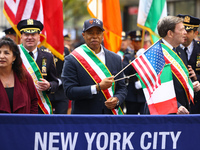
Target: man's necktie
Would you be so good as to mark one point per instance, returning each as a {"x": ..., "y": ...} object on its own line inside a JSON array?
[
  {"x": 186, "y": 54},
  {"x": 31, "y": 53}
]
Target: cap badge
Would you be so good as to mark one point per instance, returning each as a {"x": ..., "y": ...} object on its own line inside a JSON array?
[
  {"x": 187, "y": 19},
  {"x": 138, "y": 33},
  {"x": 30, "y": 22},
  {"x": 91, "y": 21}
]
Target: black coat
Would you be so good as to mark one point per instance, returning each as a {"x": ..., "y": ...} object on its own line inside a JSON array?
[
  {"x": 47, "y": 67},
  {"x": 194, "y": 61},
  {"x": 133, "y": 95}
]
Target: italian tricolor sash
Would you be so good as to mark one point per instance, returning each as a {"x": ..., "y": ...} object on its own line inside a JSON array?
[
  {"x": 34, "y": 71},
  {"x": 179, "y": 70},
  {"x": 96, "y": 69}
]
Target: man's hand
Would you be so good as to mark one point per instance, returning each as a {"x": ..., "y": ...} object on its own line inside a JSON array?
[
  {"x": 196, "y": 86},
  {"x": 43, "y": 85},
  {"x": 106, "y": 83},
  {"x": 182, "y": 110},
  {"x": 192, "y": 74},
  {"x": 111, "y": 102}
]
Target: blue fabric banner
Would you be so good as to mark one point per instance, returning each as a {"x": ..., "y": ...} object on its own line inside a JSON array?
[{"x": 92, "y": 132}]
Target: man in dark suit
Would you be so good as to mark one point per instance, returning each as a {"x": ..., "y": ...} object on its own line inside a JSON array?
[
  {"x": 87, "y": 74},
  {"x": 191, "y": 49},
  {"x": 173, "y": 33},
  {"x": 30, "y": 36}
]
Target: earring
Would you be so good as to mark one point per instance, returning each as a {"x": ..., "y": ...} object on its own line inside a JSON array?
[{"x": 13, "y": 62}]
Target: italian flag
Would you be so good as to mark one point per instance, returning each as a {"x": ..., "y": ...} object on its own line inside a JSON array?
[
  {"x": 150, "y": 11},
  {"x": 163, "y": 99}
]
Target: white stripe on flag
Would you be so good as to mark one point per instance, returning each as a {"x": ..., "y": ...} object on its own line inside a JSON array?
[{"x": 159, "y": 95}]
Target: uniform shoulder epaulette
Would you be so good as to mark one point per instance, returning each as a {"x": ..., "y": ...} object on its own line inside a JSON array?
[{"x": 46, "y": 50}]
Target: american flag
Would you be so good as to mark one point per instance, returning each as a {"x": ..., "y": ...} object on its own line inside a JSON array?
[
  {"x": 149, "y": 66},
  {"x": 49, "y": 12}
]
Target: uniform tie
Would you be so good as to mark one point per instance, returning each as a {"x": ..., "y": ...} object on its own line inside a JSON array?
[
  {"x": 186, "y": 54},
  {"x": 31, "y": 53}
]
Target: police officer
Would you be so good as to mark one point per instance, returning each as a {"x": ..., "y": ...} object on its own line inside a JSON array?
[
  {"x": 10, "y": 32},
  {"x": 191, "y": 49},
  {"x": 30, "y": 36},
  {"x": 135, "y": 99},
  {"x": 124, "y": 46}
]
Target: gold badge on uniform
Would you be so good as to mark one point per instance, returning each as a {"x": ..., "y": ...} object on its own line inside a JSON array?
[
  {"x": 44, "y": 67},
  {"x": 198, "y": 62}
]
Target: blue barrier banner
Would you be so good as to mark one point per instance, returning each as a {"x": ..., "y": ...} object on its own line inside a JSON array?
[{"x": 99, "y": 132}]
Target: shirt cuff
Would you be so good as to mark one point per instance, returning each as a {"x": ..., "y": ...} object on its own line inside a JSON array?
[{"x": 93, "y": 89}]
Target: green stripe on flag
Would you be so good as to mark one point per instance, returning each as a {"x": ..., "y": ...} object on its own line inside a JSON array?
[
  {"x": 165, "y": 77},
  {"x": 154, "y": 14}
]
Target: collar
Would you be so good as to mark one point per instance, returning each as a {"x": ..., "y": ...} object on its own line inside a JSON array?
[
  {"x": 190, "y": 47},
  {"x": 101, "y": 52},
  {"x": 34, "y": 51},
  {"x": 166, "y": 43}
]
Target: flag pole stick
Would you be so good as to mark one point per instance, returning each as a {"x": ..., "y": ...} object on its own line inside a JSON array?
[
  {"x": 122, "y": 70},
  {"x": 125, "y": 77}
]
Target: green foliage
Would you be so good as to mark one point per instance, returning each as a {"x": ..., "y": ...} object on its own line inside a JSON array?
[{"x": 74, "y": 9}]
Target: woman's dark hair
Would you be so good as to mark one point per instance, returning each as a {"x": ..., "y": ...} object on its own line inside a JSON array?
[{"x": 17, "y": 64}]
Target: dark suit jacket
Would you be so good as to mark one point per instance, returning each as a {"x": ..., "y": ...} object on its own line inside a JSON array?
[
  {"x": 59, "y": 94},
  {"x": 134, "y": 95},
  {"x": 77, "y": 85},
  {"x": 50, "y": 73},
  {"x": 193, "y": 61},
  {"x": 24, "y": 97}
]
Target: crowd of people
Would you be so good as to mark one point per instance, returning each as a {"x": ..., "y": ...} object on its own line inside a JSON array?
[{"x": 84, "y": 83}]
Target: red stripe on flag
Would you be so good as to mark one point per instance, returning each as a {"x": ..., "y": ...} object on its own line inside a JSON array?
[
  {"x": 36, "y": 9},
  {"x": 91, "y": 71},
  {"x": 141, "y": 77},
  {"x": 165, "y": 107},
  {"x": 20, "y": 11},
  {"x": 9, "y": 12},
  {"x": 149, "y": 70},
  {"x": 146, "y": 73}
]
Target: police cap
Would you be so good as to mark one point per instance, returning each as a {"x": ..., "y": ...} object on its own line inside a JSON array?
[
  {"x": 189, "y": 22},
  {"x": 9, "y": 31},
  {"x": 135, "y": 35},
  {"x": 29, "y": 26}
]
